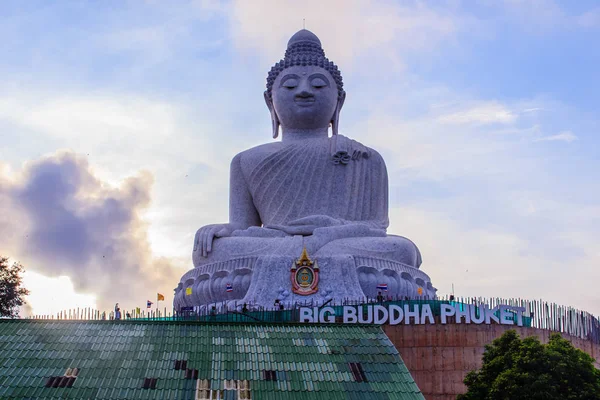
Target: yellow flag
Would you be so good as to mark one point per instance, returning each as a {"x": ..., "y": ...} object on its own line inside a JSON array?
[
  {"x": 188, "y": 291},
  {"x": 420, "y": 291},
  {"x": 159, "y": 297}
]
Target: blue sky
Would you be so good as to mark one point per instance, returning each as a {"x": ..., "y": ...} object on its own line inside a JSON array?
[{"x": 118, "y": 121}]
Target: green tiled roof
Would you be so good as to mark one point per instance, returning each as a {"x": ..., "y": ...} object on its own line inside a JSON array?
[{"x": 115, "y": 359}]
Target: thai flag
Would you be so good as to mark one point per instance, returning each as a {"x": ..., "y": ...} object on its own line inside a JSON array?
[
  {"x": 382, "y": 286},
  {"x": 229, "y": 287},
  {"x": 149, "y": 304}
]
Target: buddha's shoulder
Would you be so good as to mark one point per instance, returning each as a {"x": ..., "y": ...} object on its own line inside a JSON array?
[
  {"x": 374, "y": 154},
  {"x": 254, "y": 155},
  {"x": 351, "y": 145},
  {"x": 260, "y": 151}
]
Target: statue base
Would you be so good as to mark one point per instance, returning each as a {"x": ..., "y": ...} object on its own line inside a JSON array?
[{"x": 260, "y": 280}]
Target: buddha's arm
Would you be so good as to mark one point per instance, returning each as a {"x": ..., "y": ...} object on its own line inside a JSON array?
[
  {"x": 307, "y": 225},
  {"x": 242, "y": 213}
]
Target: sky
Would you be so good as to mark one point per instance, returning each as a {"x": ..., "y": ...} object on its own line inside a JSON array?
[{"x": 118, "y": 120}]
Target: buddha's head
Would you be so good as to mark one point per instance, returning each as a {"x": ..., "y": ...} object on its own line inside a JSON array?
[{"x": 305, "y": 89}]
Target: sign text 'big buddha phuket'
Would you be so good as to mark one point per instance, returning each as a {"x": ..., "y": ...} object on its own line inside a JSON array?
[{"x": 417, "y": 314}]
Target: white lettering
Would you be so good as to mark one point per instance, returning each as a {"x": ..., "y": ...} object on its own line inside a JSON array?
[
  {"x": 505, "y": 315},
  {"x": 349, "y": 315},
  {"x": 411, "y": 314},
  {"x": 361, "y": 315},
  {"x": 306, "y": 314},
  {"x": 475, "y": 318},
  {"x": 490, "y": 315},
  {"x": 426, "y": 313},
  {"x": 396, "y": 314},
  {"x": 327, "y": 318},
  {"x": 417, "y": 314},
  {"x": 381, "y": 315},
  {"x": 447, "y": 311},
  {"x": 463, "y": 313}
]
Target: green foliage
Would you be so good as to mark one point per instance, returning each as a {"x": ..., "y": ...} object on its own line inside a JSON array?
[
  {"x": 11, "y": 293},
  {"x": 525, "y": 369}
]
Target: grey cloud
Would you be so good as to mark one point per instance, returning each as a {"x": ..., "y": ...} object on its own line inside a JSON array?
[{"x": 77, "y": 225}]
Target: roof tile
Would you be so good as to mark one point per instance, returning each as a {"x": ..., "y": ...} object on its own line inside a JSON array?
[{"x": 114, "y": 357}]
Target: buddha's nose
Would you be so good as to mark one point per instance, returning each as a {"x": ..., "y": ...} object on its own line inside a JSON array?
[{"x": 304, "y": 94}]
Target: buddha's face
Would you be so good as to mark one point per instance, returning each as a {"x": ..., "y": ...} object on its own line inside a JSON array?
[{"x": 304, "y": 97}]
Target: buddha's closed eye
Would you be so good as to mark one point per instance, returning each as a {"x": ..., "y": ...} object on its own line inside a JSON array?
[
  {"x": 318, "y": 83},
  {"x": 290, "y": 83}
]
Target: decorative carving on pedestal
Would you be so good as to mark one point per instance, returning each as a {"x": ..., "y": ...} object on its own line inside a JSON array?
[{"x": 305, "y": 275}]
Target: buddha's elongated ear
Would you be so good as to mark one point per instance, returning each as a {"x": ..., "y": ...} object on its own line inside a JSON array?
[
  {"x": 335, "y": 120},
  {"x": 274, "y": 118}
]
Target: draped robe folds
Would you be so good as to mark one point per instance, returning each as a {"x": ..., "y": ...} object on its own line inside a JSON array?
[{"x": 301, "y": 179}]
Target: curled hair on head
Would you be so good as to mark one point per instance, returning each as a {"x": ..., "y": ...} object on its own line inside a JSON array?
[{"x": 304, "y": 54}]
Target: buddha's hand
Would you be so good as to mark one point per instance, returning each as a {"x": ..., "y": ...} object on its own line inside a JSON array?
[
  {"x": 306, "y": 225},
  {"x": 205, "y": 235}
]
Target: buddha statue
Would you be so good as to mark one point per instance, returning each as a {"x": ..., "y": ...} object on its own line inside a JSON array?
[{"x": 310, "y": 193}]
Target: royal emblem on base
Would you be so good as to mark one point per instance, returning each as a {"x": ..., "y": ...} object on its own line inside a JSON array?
[{"x": 305, "y": 275}]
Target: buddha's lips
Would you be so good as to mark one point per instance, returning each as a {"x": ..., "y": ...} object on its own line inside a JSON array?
[{"x": 304, "y": 101}]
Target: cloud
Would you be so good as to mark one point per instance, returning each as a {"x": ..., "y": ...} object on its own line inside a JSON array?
[
  {"x": 534, "y": 109},
  {"x": 119, "y": 131},
  {"x": 497, "y": 261},
  {"x": 445, "y": 136},
  {"x": 566, "y": 136},
  {"x": 590, "y": 19},
  {"x": 99, "y": 118},
  {"x": 154, "y": 39},
  {"x": 50, "y": 296},
  {"x": 71, "y": 223},
  {"x": 480, "y": 114},
  {"x": 186, "y": 148},
  {"x": 361, "y": 26},
  {"x": 539, "y": 13},
  {"x": 160, "y": 32},
  {"x": 542, "y": 16}
]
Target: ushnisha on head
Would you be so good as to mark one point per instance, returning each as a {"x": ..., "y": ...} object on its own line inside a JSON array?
[{"x": 305, "y": 89}]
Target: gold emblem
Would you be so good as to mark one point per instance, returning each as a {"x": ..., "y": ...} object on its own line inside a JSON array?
[{"x": 305, "y": 275}]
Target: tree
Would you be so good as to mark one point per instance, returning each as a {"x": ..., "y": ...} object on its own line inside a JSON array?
[
  {"x": 11, "y": 293},
  {"x": 515, "y": 368}
]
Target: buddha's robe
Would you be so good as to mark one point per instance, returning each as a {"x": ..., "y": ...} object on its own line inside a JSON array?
[
  {"x": 335, "y": 178},
  {"x": 317, "y": 177}
]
